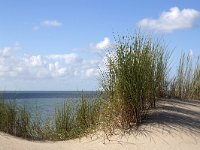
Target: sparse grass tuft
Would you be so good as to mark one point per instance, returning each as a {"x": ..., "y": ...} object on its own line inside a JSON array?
[
  {"x": 14, "y": 120},
  {"x": 79, "y": 122},
  {"x": 8, "y": 117},
  {"x": 186, "y": 83}
]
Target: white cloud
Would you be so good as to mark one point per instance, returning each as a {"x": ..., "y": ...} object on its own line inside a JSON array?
[
  {"x": 51, "y": 23},
  {"x": 52, "y": 71},
  {"x": 4, "y": 68},
  {"x": 56, "y": 70},
  {"x": 9, "y": 51},
  {"x": 35, "y": 61},
  {"x": 68, "y": 58},
  {"x": 91, "y": 72},
  {"x": 32, "y": 67},
  {"x": 6, "y": 52},
  {"x": 48, "y": 23},
  {"x": 101, "y": 47},
  {"x": 103, "y": 44},
  {"x": 172, "y": 20}
]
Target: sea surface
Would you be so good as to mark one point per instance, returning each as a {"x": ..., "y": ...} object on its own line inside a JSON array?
[{"x": 44, "y": 103}]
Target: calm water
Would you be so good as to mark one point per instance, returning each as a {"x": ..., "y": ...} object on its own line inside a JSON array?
[{"x": 45, "y": 103}]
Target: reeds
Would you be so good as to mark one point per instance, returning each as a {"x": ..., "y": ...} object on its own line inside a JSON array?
[
  {"x": 23, "y": 123},
  {"x": 8, "y": 117},
  {"x": 79, "y": 122},
  {"x": 68, "y": 123},
  {"x": 186, "y": 83},
  {"x": 136, "y": 75},
  {"x": 14, "y": 120},
  {"x": 196, "y": 81}
]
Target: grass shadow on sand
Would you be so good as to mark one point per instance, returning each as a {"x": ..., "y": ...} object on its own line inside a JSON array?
[{"x": 173, "y": 114}]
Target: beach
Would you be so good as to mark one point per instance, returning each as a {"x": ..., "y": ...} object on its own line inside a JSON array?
[
  {"x": 99, "y": 75},
  {"x": 174, "y": 125}
]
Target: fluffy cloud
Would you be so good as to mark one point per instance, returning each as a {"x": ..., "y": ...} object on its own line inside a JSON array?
[
  {"x": 68, "y": 58},
  {"x": 101, "y": 47},
  {"x": 103, "y": 44},
  {"x": 8, "y": 51},
  {"x": 35, "y": 61},
  {"x": 7, "y": 60},
  {"x": 92, "y": 72},
  {"x": 172, "y": 20},
  {"x": 56, "y": 70},
  {"x": 31, "y": 67},
  {"x": 51, "y": 71}
]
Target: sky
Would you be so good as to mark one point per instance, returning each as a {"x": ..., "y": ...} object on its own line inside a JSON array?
[{"x": 60, "y": 44}]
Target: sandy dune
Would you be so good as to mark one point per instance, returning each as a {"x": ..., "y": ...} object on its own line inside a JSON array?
[{"x": 175, "y": 125}]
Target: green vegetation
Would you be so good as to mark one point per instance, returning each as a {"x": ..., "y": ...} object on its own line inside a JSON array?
[
  {"x": 73, "y": 124},
  {"x": 13, "y": 120},
  {"x": 136, "y": 76},
  {"x": 186, "y": 83},
  {"x": 67, "y": 124}
]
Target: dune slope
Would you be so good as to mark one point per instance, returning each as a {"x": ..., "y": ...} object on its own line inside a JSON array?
[{"x": 175, "y": 125}]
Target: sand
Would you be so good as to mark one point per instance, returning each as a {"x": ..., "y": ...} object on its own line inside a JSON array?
[{"x": 175, "y": 125}]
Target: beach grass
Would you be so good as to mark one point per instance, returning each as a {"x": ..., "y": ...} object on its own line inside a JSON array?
[
  {"x": 186, "y": 83},
  {"x": 136, "y": 75},
  {"x": 14, "y": 120},
  {"x": 66, "y": 124},
  {"x": 76, "y": 123}
]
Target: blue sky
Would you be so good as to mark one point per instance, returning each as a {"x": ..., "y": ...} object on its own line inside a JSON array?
[{"x": 60, "y": 44}]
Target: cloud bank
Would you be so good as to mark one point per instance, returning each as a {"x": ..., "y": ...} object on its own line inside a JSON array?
[{"x": 51, "y": 66}]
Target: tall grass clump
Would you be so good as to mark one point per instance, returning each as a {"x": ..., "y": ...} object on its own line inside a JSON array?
[
  {"x": 186, "y": 83},
  {"x": 135, "y": 76},
  {"x": 14, "y": 120},
  {"x": 8, "y": 117},
  {"x": 74, "y": 123},
  {"x": 196, "y": 81},
  {"x": 23, "y": 123}
]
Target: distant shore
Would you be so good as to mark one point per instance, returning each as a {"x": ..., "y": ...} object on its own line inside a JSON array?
[{"x": 175, "y": 124}]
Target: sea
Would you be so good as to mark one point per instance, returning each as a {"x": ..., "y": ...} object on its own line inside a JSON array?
[{"x": 45, "y": 103}]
